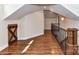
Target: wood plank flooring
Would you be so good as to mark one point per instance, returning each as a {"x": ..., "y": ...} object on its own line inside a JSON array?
[{"x": 42, "y": 45}]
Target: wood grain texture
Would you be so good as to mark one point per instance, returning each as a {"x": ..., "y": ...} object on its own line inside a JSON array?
[{"x": 43, "y": 45}]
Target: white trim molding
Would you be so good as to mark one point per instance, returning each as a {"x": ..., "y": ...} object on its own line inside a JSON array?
[
  {"x": 25, "y": 38},
  {"x": 3, "y": 47}
]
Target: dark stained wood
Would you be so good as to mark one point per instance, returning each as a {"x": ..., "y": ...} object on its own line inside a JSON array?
[
  {"x": 71, "y": 43},
  {"x": 43, "y": 45},
  {"x": 12, "y": 33}
]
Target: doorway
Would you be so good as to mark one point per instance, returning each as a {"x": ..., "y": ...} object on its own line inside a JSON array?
[{"x": 12, "y": 33}]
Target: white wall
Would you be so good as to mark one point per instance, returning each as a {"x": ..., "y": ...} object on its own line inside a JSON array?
[
  {"x": 32, "y": 25},
  {"x": 4, "y": 32},
  {"x": 10, "y": 8},
  {"x": 49, "y": 18},
  {"x": 4, "y": 23},
  {"x": 70, "y": 23},
  {"x": 48, "y": 22},
  {"x": 1, "y": 17},
  {"x": 67, "y": 23},
  {"x": 29, "y": 26},
  {"x": 1, "y": 11}
]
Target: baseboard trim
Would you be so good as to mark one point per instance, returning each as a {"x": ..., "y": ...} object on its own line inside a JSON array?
[
  {"x": 25, "y": 38},
  {"x": 3, "y": 47}
]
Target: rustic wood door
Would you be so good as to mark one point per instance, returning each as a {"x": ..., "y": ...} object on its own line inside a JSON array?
[{"x": 12, "y": 33}]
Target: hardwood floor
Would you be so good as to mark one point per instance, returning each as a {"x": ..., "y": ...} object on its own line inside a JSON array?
[{"x": 42, "y": 45}]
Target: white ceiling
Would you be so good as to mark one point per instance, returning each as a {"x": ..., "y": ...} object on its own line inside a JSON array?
[
  {"x": 43, "y": 4},
  {"x": 27, "y": 9},
  {"x": 49, "y": 14},
  {"x": 63, "y": 11}
]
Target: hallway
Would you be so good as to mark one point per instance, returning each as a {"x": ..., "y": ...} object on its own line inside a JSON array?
[{"x": 42, "y": 45}]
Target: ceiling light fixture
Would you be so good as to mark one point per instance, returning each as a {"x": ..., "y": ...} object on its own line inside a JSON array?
[{"x": 62, "y": 18}]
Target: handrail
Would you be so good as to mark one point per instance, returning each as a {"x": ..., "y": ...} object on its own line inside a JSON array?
[
  {"x": 60, "y": 27},
  {"x": 60, "y": 34},
  {"x": 63, "y": 29}
]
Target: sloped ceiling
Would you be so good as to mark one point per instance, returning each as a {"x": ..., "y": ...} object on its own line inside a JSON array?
[
  {"x": 57, "y": 8},
  {"x": 49, "y": 14},
  {"x": 74, "y": 8},
  {"x": 25, "y": 10},
  {"x": 63, "y": 11}
]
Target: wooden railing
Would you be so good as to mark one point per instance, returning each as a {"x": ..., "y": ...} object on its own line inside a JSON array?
[{"x": 67, "y": 39}]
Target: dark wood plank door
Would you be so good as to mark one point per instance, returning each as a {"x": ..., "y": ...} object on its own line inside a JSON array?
[{"x": 12, "y": 33}]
